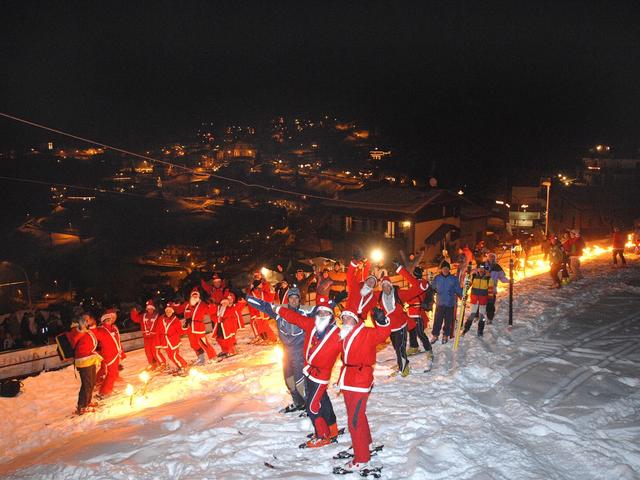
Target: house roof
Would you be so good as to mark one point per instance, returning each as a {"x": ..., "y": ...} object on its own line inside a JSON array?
[
  {"x": 390, "y": 199},
  {"x": 439, "y": 233}
]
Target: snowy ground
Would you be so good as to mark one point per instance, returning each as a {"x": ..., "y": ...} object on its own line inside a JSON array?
[{"x": 556, "y": 396}]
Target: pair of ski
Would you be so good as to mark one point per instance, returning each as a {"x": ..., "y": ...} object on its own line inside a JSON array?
[{"x": 374, "y": 472}]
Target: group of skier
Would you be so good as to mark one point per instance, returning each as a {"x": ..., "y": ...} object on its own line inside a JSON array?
[{"x": 370, "y": 310}]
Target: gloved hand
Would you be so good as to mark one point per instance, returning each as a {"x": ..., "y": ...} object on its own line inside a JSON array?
[
  {"x": 262, "y": 305},
  {"x": 396, "y": 263},
  {"x": 379, "y": 317},
  {"x": 340, "y": 297}
]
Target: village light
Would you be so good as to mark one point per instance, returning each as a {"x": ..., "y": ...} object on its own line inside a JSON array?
[
  {"x": 460, "y": 192},
  {"x": 499, "y": 202},
  {"x": 406, "y": 224},
  {"x": 376, "y": 255}
]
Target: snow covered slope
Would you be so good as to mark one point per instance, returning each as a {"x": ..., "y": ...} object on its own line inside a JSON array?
[{"x": 556, "y": 396}]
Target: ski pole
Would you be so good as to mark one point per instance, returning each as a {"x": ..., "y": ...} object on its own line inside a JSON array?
[{"x": 511, "y": 291}]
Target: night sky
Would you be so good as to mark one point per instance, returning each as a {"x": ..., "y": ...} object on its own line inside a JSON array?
[{"x": 498, "y": 84}]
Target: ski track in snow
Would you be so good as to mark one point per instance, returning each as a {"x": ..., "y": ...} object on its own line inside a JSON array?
[{"x": 555, "y": 396}]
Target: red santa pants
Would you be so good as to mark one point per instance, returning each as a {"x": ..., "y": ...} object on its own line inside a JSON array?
[
  {"x": 175, "y": 357},
  {"x": 152, "y": 351},
  {"x": 228, "y": 345},
  {"x": 199, "y": 342},
  {"x": 110, "y": 373},
  {"x": 356, "y": 403},
  {"x": 262, "y": 329}
]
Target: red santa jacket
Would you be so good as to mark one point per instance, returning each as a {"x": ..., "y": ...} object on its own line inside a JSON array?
[
  {"x": 358, "y": 304},
  {"x": 169, "y": 330},
  {"x": 216, "y": 294},
  {"x": 226, "y": 320},
  {"x": 263, "y": 293},
  {"x": 84, "y": 344},
  {"x": 108, "y": 344},
  {"x": 197, "y": 314},
  {"x": 359, "y": 356},
  {"x": 413, "y": 295},
  {"x": 320, "y": 354},
  {"x": 146, "y": 322}
]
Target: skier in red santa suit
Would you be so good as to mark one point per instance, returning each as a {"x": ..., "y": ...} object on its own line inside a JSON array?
[
  {"x": 419, "y": 291},
  {"x": 361, "y": 295},
  {"x": 195, "y": 312},
  {"x": 356, "y": 379},
  {"x": 84, "y": 344},
  {"x": 217, "y": 290},
  {"x": 261, "y": 289},
  {"x": 147, "y": 322},
  {"x": 226, "y": 319},
  {"x": 321, "y": 349},
  {"x": 169, "y": 330},
  {"x": 110, "y": 348}
]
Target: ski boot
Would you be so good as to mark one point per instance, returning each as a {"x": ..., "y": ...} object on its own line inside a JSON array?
[
  {"x": 412, "y": 350},
  {"x": 429, "y": 362},
  {"x": 445, "y": 339},
  {"x": 316, "y": 442},
  {"x": 406, "y": 370},
  {"x": 202, "y": 359},
  {"x": 364, "y": 469},
  {"x": 291, "y": 408}
]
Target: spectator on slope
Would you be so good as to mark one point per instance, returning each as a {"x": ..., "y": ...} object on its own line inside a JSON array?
[
  {"x": 262, "y": 331},
  {"x": 447, "y": 288},
  {"x": 359, "y": 349},
  {"x": 497, "y": 274},
  {"x": 576, "y": 248},
  {"x": 217, "y": 290},
  {"x": 84, "y": 344},
  {"x": 617, "y": 241},
  {"x": 322, "y": 345},
  {"x": 480, "y": 284},
  {"x": 302, "y": 283},
  {"x": 556, "y": 258},
  {"x": 195, "y": 312},
  {"x": 339, "y": 280},
  {"x": 147, "y": 321},
  {"x": 323, "y": 287},
  {"x": 226, "y": 316},
  {"x": 169, "y": 329}
]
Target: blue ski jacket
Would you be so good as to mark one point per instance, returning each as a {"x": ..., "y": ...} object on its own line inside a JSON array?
[{"x": 447, "y": 287}]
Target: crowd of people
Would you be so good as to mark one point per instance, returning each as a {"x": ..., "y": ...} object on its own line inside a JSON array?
[{"x": 354, "y": 311}]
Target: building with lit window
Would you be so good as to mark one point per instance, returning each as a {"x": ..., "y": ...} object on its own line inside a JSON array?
[{"x": 402, "y": 218}]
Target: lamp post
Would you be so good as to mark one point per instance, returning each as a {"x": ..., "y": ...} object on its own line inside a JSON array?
[{"x": 547, "y": 183}]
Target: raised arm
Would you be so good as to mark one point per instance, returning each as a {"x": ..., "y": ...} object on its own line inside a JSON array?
[
  {"x": 302, "y": 321},
  {"x": 136, "y": 316},
  {"x": 262, "y": 306},
  {"x": 206, "y": 287}
]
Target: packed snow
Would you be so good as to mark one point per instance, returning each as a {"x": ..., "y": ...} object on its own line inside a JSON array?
[{"x": 555, "y": 396}]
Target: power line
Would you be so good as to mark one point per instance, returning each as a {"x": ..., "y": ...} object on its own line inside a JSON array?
[{"x": 191, "y": 170}]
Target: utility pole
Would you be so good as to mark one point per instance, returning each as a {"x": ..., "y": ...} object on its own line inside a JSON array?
[{"x": 547, "y": 183}]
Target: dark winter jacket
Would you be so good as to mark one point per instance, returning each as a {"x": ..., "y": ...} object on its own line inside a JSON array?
[{"x": 447, "y": 287}]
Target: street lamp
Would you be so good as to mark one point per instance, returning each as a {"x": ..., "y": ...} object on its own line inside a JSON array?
[{"x": 547, "y": 183}]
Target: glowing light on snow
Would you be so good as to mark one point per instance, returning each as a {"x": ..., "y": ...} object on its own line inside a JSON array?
[
  {"x": 129, "y": 392},
  {"x": 278, "y": 354},
  {"x": 144, "y": 376}
]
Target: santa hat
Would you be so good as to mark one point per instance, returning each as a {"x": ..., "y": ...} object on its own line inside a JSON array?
[
  {"x": 386, "y": 279},
  {"x": 195, "y": 292},
  {"x": 375, "y": 279},
  {"x": 169, "y": 307},
  {"x": 109, "y": 314},
  {"x": 150, "y": 304},
  {"x": 349, "y": 313},
  {"x": 216, "y": 277},
  {"x": 322, "y": 304}
]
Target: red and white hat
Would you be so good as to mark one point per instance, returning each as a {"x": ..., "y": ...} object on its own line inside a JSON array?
[
  {"x": 323, "y": 305},
  {"x": 375, "y": 279},
  {"x": 349, "y": 313},
  {"x": 195, "y": 292},
  {"x": 150, "y": 304},
  {"x": 386, "y": 279},
  {"x": 109, "y": 314}
]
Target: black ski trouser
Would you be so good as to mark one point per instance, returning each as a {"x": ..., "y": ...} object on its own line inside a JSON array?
[
  {"x": 491, "y": 308},
  {"x": 444, "y": 314},
  {"x": 399, "y": 342},
  {"x": 87, "y": 384},
  {"x": 418, "y": 332},
  {"x": 554, "y": 272},
  {"x": 619, "y": 252}
]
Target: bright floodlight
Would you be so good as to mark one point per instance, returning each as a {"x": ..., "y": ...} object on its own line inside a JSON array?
[
  {"x": 129, "y": 389},
  {"x": 264, "y": 271},
  {"x": 376, "y": 255},
  {"x": 144, "y": 376}
]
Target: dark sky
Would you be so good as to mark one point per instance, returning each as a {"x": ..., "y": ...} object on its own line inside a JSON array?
[{"x": 504, "y": 83}]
